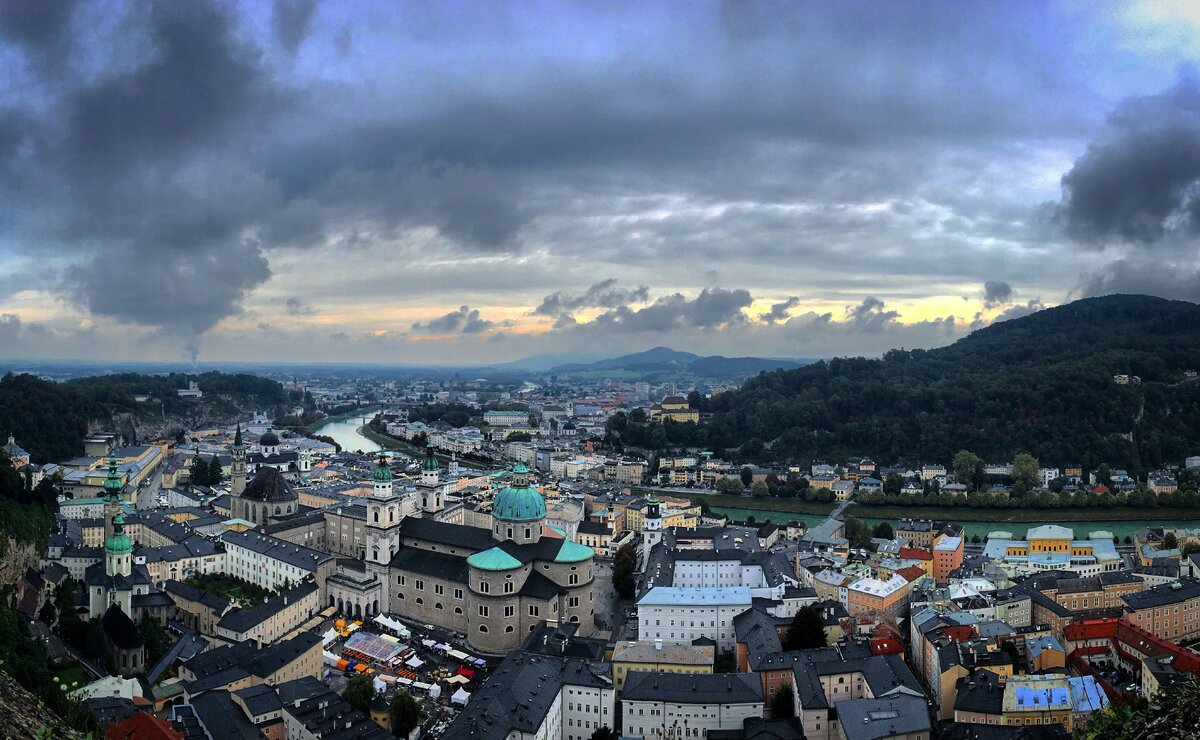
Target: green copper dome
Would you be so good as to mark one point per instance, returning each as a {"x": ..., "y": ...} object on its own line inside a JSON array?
[
  {"x": 119, "y": 543},
  {"x": 572, "y": 552},
  {"x": 519, "y": 502},
  {"x": 493, "y": 559},
  {"x": 382, "y": 474},
  {"x": 430, "y": 462}
]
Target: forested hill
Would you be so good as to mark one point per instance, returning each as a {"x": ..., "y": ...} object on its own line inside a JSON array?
[
  {"x": 1042, "y": 383},
  {"x": 50, "y": 420}
]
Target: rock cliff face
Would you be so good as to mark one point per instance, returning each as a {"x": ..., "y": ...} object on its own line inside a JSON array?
[
  {"x": 15, "y": 558},
  {"x": 22, "y": 715}
]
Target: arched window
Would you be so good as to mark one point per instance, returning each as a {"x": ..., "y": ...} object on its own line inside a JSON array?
[
  {"x": 277, "y": 511},
  {"x": 458, "y": 610},
  {"x": 438, "y": 605},
  {"x": 377, "y": 516},
  {"x": 391, "y": 515},
  {"x": 510, "y": 628},
  {"x": 483, "y": 628}
]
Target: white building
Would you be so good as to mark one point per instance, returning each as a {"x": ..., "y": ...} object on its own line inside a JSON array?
[
  {"x": 270, "y": 562},
  {"x": 671, "y": 613},
  {"x": 685, "y": 705}
]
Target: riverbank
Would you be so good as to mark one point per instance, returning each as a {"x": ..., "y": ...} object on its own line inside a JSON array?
[
  {"x": 360, "y": 411},
  {"x": 951, "y": 513},
  {"x": 389, "y": 442}
]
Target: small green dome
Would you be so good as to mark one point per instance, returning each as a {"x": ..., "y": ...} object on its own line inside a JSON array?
[
  {"x": 119, "y": 543},
  {"x": 572, "y": 552},
  {"x": 493, "y": 559},
  {"x": 430, "y": 462},
  {"x": 382, "y": 474}
]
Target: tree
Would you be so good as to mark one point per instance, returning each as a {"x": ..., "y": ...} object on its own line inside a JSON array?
[
  {"x": 883, "y": 531},
  {"x": 759, "y": 488},
  {"x": 731, "y": 486},
  {"x": 404, "y": 714},
  {"x": 975, "y": 539},
  {"x": 858, "y": 534},
  {"x": 624, "y": 566},
  {"x": 1104, "y": 475},
  {"x": 198, "y": 471},
  {"x": 359, "y": 692},
  {"x": 1025, "y": 472},
  {"x": 215, "y": 472},
  {"x": 747, "y": 476},
  {"x": 968, "y": 469},
  {"x": 604, "y": 733},
  {"x": 782, "y": 702},
  {"x": 807, "y": 630},
  {"x": 1189, "y": 548},
  {"x": 1170, "y": 542}
]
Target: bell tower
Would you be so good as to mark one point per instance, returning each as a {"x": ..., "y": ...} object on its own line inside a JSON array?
[
  {"x": 383, "y": 526},
  {"x": 237, "y": 477}
]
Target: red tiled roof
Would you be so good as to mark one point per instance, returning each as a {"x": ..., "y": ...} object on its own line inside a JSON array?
[
  {"x": 915, "y": 553},
  {"x": 911, "y": 573},
  {"x": 142, "y": 726}
]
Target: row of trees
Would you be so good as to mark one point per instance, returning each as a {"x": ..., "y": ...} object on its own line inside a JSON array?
[
  {"x": 1141, "y": 498},
  {"x": 206, "y": 472}
]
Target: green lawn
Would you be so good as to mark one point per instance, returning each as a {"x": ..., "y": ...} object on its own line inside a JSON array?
[
  {"x": 228, "y": 587},
  {"x": 72, "y": 675}
]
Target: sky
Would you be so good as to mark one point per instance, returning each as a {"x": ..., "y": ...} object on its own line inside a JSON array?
[{"x": 444, "y": 182}]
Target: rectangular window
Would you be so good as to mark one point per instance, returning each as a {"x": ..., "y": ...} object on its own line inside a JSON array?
[
  {"x": 483, "y": 610},
  {"x": 458, "y": 593},
  {"x": 420, "y": 585}
]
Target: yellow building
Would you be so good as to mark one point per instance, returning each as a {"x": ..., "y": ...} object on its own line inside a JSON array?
[
  {"x": 675, "y": 408},
  {"x": 660, "y": 655}
]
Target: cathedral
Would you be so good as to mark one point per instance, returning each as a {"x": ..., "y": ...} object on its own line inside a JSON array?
[
  {"x": 493, "y": 585},
  {"x": 266, "y": 497}
]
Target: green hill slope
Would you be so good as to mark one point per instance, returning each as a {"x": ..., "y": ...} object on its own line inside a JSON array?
[{"x": 1042, "y": 383}]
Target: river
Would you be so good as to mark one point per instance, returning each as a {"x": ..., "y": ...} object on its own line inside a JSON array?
[
  {"x": 1121, "y": 528},
  {"x": 345, "y": 433}
]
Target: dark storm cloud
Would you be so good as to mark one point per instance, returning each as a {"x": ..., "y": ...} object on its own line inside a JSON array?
[
  {"x": 297, "y": 307},
  {"x": 871, "y": 315},
  {"x": 465, "y": 320},
  {"x": 604, "y": 294},
  {"x": 173, "y": 172},
  {"x": 291, "y": 21},
  {"x": 779, "y": 311},
  {"x": 37, "y": 24},
  {"x": 1139, "y": 275},
  {"x": 713, "y": 308},
  {"x": 996, "y": 293},
  {"x": 1141, "y": 181}
]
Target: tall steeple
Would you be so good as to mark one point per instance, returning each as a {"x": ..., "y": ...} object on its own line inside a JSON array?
[
  {"x": 113, "y": 485},
  {"x": 382, "y": 477},
  {"x": 237, "y": 476}
]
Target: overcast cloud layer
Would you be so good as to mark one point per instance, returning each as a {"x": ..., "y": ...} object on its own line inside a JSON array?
[{"x": 469, "y": 182}]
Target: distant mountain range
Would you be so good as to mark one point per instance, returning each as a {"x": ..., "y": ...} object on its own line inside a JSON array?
[{"x": 663, "y": 361}]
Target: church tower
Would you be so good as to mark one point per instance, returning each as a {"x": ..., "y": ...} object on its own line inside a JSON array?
[
  {"x": 432, "y": 493},
  {"x": 237, "y": 477},
  {"x": 118, "y": 561},
  {"x": 383, "y": 528},
  {"x": 112, "y": 496},
  {"x": 652, "y": 534}
]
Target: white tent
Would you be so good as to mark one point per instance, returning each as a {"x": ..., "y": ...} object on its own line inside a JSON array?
[
  {"x": 435, "y": 691},
  {"x": 330, "y": 636},
  {"x": 379, "y": 685},
  {"x": 460, "y": 697},
  {"x": 393, "y": 625},
  {"x": 330, "y": 658},
  {"x": 415, "y": 662}
]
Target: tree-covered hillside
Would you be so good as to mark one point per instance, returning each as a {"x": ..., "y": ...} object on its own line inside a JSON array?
[
  {"x": 1042, "y": 384},
  {"x": 50, "y": 420}
]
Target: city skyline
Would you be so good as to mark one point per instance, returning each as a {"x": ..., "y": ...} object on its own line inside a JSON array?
[{"x": 474, "y": 183}]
